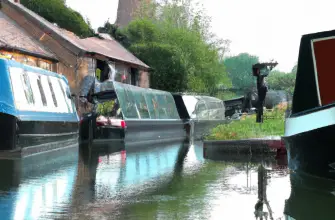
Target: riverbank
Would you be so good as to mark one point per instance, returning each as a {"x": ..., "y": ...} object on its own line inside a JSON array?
[{"x": 247, "y": 127}]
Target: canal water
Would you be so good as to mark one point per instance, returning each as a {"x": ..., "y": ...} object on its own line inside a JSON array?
[{"x": 160, "y": 182}]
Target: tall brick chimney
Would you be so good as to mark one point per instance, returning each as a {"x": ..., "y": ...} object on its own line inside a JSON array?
[{"x": 126, "y": 10}]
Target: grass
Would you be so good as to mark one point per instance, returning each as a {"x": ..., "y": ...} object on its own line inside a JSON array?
[{"x": 247, "y": 127}]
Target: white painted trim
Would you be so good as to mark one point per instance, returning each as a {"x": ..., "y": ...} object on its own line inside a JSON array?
[
  {"x": 323, "y": 38},
  {"x": 309, "y": 122},
  {"x": 316, "y": 73}
]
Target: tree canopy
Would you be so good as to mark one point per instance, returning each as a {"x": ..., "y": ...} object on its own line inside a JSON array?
[
  {"x": 56, "y": 11},
  {"x": 239, "y": 69},
  {"x": 282, "y": 81},
  {"x": 175, "y": 41}
]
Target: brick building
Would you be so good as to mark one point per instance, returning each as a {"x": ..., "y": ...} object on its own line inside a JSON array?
[{"x": 28, "y": 36}]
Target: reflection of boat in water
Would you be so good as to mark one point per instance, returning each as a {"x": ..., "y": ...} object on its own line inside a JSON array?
[
  {"x": 131, "y": 114},
  {"x": 135, "y": 169},
  {"x": 36, "y": 109},
  {"x": 309, "y": 130},
  {"x": 203, "y": 112},
  {"x": 37, "y": 186},
  {"x": 311, "y": 198}
]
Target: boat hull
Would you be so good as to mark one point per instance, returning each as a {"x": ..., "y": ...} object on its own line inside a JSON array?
[
  {"x": 137, "y": 133},
  {"x": 35, "y": 136},
  {"x": 312, "y": 152}
]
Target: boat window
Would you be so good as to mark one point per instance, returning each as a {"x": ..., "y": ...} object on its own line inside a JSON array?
[
  {"x": 66, "y": 93},
  {"x": 141, "y": 103},
  {"x": 52, "y": 92},
  {"x": 201, "y": 110},
  {"x": 39, "y": 84},
  {"x": 127, "y": 101},
  {"x": 20, "y": 93},
  {"x": 27, "y": 89},
  {"x": 171, "y": 107},
  {"x": 162, "y": 106},
  {"x": 60, "y": 95},
  {"x": 33, "y": 78},
  {"x": 152, "y": 105},
  {"x": 212, "y": 105},
  {"x": 47, "y": 92},
  {"x": 110, "y": 108}
]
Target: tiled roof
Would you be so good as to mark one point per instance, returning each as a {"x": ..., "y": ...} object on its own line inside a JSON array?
[
  {"x": 107, "y": 47},
  {"x": 14, "y": 37},
  {"x": 111, "y": 48}
]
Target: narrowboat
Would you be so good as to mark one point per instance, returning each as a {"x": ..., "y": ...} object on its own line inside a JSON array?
[
  {"x": 128, "y": 115},
  {"x": 37, "y": 112},
  {"x": 310, "y": 127},
  {"x": 233, "y": 106},
  {"x": 202, "y": 113}
]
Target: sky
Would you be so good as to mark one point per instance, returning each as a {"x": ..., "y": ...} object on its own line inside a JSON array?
[{"x": 270, "y": 29}]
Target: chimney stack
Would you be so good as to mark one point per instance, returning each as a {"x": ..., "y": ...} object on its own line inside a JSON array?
[{"x": 17, "y": 1}]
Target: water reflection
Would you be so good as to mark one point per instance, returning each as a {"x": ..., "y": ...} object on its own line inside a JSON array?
[
  {"x": 311, "y": 198},
  {"x": 35, "y": 186},
  {"x": 161, "y": 182}
]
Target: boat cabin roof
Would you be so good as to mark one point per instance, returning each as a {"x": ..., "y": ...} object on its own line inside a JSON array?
[
  {"x": 203, "y": 107},
  {"x": 315, "y": 74},
  {"x": 136, "y": 102},
  {"x": 31, "y": 93}
]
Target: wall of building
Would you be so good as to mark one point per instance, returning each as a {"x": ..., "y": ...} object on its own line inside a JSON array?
[
  {"x": 67, "y": 60},
  {"x": 30, "y": 60},
  {"x": 144, "y": 79}
]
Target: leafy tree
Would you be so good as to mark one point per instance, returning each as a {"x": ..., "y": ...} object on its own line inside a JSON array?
[
  {"x": 239, "y": 69},
  {"x": 114, "y": 32},
  {"x": 176, "y": 43},
  {"x": 282, "y": 81},
  {"x": 55, "y": 11}
]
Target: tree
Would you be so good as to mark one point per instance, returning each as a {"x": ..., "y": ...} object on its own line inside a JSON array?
[
  {"x": 239, "y": 69},
  {"x": 114, "y": 32},
  {"x": 55, "y": 11},
  {"x": 175, "y": 42},
  {"x": 282, "y": 81}
]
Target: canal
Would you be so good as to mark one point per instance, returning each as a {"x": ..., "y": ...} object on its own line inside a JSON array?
[{"x": 158, "y": 182}]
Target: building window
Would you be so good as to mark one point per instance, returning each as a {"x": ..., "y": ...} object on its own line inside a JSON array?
[
  {"x": 134, "y": 76},
  {"x": 44, "y": 65}
]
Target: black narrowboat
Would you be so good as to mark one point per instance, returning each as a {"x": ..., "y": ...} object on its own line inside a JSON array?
[
  {"x": 123, "y": 114},
  {"x": 202, "y": 113},
  {"x": 309, "y": 130},
  {"x": 37, "y": 112}
]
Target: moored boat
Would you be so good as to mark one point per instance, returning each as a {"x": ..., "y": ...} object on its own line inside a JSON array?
[
  {"x": 37, "y": 112},
  {"x": 202, "y": 112},
  {"x": 309, "y": 130},
  {"x": 127, "y": 115}
]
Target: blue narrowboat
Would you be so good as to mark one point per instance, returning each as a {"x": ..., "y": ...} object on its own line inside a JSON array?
[
  {"x": 126, "y": 115},
  {"x": 37, "y": 112}
]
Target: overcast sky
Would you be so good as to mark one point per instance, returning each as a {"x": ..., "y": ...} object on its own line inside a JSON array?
[{"x": 266, "y": 28}]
